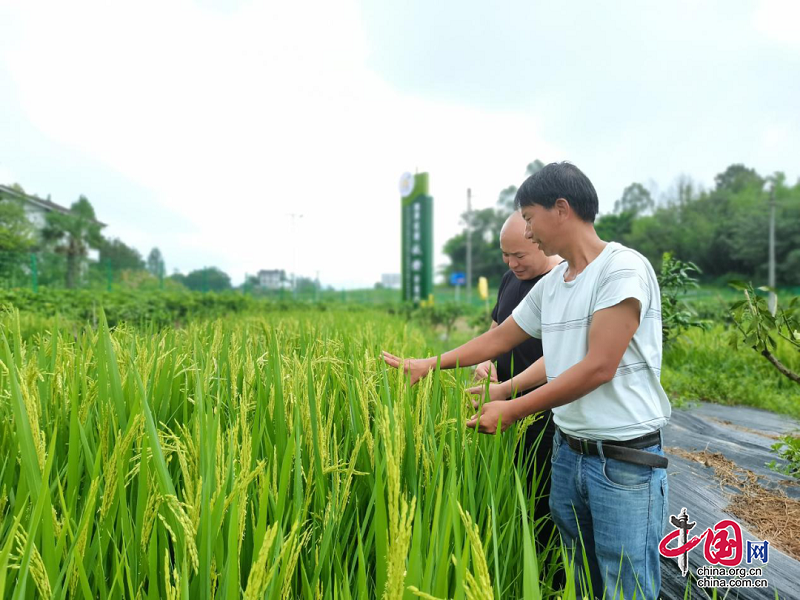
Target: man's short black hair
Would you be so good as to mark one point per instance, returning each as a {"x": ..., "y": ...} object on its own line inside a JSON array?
[{"x": 560, "y": 180}]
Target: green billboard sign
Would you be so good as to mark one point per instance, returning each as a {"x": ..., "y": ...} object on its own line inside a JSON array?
[{"x": 417, "y": 250}]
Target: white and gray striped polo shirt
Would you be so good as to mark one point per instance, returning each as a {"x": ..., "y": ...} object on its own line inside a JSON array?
[{"x": 560, "y": 312}]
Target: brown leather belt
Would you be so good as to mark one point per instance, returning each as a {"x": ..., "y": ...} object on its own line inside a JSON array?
[{"x": 624, "y": 450}]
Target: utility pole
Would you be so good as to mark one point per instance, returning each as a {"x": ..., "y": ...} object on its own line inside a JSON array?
[
  {"x": 773, "y": 299},
  {"x": 469, "y": 245}
]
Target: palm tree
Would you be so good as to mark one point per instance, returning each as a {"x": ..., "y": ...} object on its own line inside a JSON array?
[{"x": 72, "y": 234}]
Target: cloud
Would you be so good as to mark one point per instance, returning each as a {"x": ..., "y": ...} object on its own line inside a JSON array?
[
  {"x": 6, "y": 175},
  {"x": 777, "y": 20},
  {"x": 235, "y": 120}
]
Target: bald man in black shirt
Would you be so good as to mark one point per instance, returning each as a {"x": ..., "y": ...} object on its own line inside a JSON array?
[{"x": 527, "y": 265}]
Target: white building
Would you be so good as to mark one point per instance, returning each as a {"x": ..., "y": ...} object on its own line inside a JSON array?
[
  {"x": 271, "y": 279},
  {"x": 391, "y": 280}
]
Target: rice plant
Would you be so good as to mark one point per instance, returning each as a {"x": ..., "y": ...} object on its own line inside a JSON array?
[{"x": 258, "y": 457}]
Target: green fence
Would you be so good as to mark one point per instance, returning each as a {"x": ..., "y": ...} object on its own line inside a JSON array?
[
  {"x": 54, "y": 270},
  {"x": 366, "y": 295},
  {"x": 25, "y": 270}
]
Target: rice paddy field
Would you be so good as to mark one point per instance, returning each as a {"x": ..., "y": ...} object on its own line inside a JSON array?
[{"x": 253, "y": 456}]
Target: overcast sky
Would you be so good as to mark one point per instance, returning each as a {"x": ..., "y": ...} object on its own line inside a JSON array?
[{"x": 198, "y": 127}]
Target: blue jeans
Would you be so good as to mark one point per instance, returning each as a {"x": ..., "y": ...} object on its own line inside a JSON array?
[{"x": 620, "y": 510}]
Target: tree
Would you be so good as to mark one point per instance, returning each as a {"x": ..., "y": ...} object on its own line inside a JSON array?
[
  {"x": 724, "y": 231},
  {"x": 505, "y": 202},
  {"x": 72, "y": 234},
  {"x": 486, "y": 259},
  {"x": 305, "y": 285},
  {"x": 534, "y": 168},
  {"x": 737, "y": 178},
  {"x": 741, "y": 236},
  {"x": 616, "y": 227},
  {"x": 155, "y": 263},
  {"x": 636, "y": 199},
  {"x": 16, "y": 232},
  {"x": 789, "y": 272},
  {"x": 207, "y": 279},
  {"x": 178, "y": 278},
  {"x": 654, "y": 235},
  {"x": 684, "y": 191},
  {"x": 251, "y": 283},
  {"x": 120, "y": 256},
  {"x": 486, "y": 225}
]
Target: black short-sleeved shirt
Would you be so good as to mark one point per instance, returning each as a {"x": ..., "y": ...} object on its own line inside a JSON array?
[{"x": 511, "y": 293}]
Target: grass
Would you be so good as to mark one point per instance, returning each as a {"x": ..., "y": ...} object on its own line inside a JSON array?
[{"x": 701, "y": 365}]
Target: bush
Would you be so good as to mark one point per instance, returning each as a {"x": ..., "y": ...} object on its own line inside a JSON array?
[
  {"x": 674, "y": 279},
  {"x": 759, "y": 329},
  {"x": 788, "y": 448},
  {"x": 140, "y": 307}
]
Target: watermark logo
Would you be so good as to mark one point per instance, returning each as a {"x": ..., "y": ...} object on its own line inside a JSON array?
[
  {"x": 757, "y": 550},
  {"x": 723, "y": 546}
]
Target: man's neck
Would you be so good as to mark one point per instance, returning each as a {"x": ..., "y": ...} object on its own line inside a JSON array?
[
  {"x": 553, "y": 262},
  {"x": 582, "y": 251}
]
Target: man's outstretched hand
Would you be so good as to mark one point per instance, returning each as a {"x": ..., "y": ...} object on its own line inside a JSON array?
[
  {"x": 488, "y": 416},
  {"x": 496, "y": 392},
  {"x": 415, "y": 368},
  {"x": 484, "y": 370}
]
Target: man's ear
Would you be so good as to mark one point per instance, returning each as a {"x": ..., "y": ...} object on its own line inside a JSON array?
[{"x": 563, "y": 208}]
